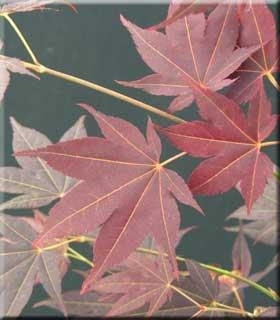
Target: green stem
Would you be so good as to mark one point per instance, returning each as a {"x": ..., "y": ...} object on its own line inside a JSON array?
[
  {"x": 267, "y": 292},
  {"x": 75, "y": 254},
  {"x": 42, "y": 69},
  {"x": 21, "y": 37}
]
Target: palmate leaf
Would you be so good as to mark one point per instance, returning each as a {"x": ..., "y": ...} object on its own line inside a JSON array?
[
  {"x": 22, "y": 265},
  {"x": 262, "y": 225},
  {"x": 257, "y": 28},
  {"x": 194, "y": 52},
  {"x": 232, "y": 143},
  {"x": 126, "y": 192},
  {"x": 8, "y": 65},
  {"x": 37, "y": 183},
  {"x": 144, "y": 280}
]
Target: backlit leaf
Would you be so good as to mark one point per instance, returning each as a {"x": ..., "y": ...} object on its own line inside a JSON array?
[
  {"x": 22, "y": 265},
  {"x": 262, "y": 225},
  {"x": 37, "y": 183}
]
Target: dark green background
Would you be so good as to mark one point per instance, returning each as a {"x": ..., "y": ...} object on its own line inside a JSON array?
[{"x": 95, "y": 46}]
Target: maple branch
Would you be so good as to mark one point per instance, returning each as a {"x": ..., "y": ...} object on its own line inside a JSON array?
[
  {"x": 268, "y": 292},
  {"x": 21, "y": 37},
  {"x": 269, "y": 143},
  {"x": 42, "y": 69},
  {"x": 39, "y": 68}
]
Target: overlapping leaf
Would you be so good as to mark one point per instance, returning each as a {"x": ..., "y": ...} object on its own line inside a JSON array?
[
  {"x": 126, "y": 191},
  {"x": 22, "y": 266},
  {"x": 262, "y": 225},
  {"x": 37, "y": 183},
  {"x": 181, "y": 8},
  {"x": 257, "y": 28},
  {"x": 146, "y": 280},
  {"x": 194, "y": 52},
  {"x": 196, "y": 293},
  {"x": 241, "y": 265},
  {"x": 232, "y": 143},
  {"x": 86, "y": 305},
  {"x": 8, "y": 65}
]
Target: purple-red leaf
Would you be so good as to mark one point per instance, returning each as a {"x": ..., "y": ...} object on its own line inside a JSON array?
[
  {"x": 126, "y": 191},
  {"x": 257, "y": 28},
  {"x": 241, "y": 255},
  {"x": 231, "y": 142},
  {"x": 195, "y": 52},
  {"x": 145, "y": 280}
]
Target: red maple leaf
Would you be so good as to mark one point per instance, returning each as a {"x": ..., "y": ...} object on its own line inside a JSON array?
[
  {"x": 257, "y": 28},
  {"x": 232, "y": 143},
  {"x": 194, "y": 49},
  {"x": 142, "y": 280},
  {"x": 126, "y": 191}
]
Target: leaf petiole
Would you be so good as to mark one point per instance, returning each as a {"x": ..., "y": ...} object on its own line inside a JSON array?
[
  {"x": 21, "y": 37},
  {"x": 76, "y": 255}
]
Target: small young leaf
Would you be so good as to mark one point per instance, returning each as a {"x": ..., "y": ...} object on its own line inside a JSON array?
[{"x": 241, "y": 255}]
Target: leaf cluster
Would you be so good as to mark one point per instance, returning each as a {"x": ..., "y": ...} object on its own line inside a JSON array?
[{"x": 115, "y": 193}]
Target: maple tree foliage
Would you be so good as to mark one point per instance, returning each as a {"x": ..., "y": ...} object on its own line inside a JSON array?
[{"x": 115, "y": 193}]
